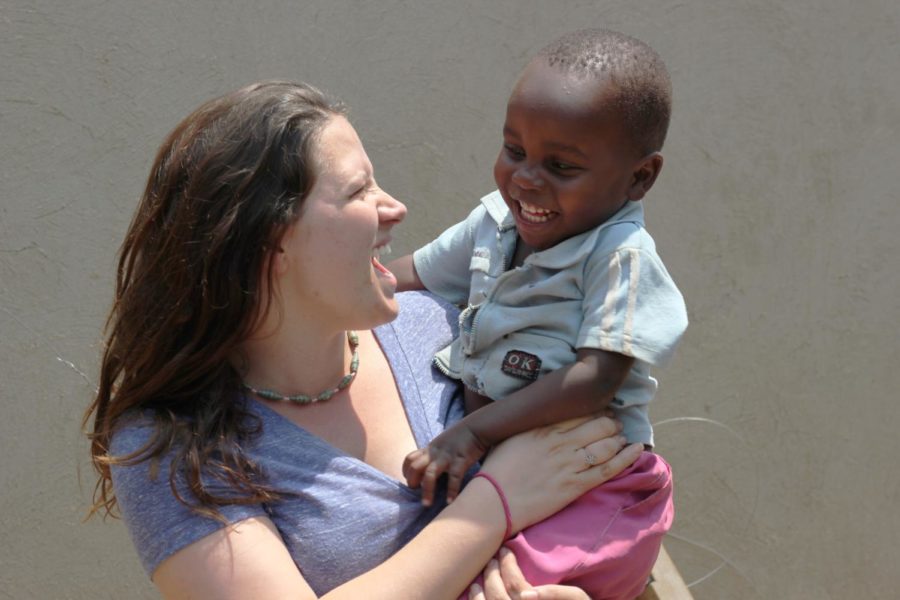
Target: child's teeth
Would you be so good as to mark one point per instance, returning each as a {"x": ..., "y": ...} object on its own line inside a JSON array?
[
  {"x": 534, "y": 214},
  {"x": 534, "y": 209}
]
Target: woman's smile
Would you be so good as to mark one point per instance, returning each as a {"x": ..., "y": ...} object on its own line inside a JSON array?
[{"x": 385, "y": 249}]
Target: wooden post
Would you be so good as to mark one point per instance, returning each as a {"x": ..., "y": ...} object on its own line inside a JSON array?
[{"x": 666, "y": 582}]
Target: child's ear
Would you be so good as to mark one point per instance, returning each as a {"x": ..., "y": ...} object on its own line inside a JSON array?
[{"x": 644, "y": 175}]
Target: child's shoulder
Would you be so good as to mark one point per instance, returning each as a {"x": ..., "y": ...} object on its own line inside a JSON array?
[{"x": 625, "y": 231}]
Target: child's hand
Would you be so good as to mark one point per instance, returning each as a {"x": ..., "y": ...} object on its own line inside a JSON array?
[{"x": 452, "y": 452}]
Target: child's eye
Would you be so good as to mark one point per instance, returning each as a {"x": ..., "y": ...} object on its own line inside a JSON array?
[
  {"x": 514, "y": 151},
  {"x": 563, "y": 168}
]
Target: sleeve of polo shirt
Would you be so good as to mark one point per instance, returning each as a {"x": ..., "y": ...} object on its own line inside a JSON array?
[
  {"x": 632, "y": 307},
  {"x": 443, "y": 265}
]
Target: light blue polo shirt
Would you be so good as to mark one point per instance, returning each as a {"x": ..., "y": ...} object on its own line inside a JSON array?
[{"x": 605, "y": 288}]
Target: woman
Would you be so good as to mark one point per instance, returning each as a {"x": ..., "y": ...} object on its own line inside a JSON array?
[{"x": 253, "y": 444}]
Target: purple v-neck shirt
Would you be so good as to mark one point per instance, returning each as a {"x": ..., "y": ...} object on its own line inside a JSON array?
[{"x": 339, "y": 516}]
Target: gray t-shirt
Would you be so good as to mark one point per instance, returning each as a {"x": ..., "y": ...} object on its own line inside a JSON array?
[{"x": 339, "y": 517}]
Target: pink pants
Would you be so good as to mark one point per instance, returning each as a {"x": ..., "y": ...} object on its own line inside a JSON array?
[{"x": 606, "y": 541}]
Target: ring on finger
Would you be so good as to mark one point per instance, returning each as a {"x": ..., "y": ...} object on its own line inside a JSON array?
[{"x": 589, "y": 458}]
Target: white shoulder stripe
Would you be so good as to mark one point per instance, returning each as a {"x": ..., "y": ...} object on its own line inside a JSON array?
[
  {"x": 634, "y": 265},
  {"x": 609, "y": 303}
]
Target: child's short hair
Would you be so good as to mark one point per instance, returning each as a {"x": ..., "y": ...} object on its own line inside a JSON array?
[{"x": 638, "y": 72}]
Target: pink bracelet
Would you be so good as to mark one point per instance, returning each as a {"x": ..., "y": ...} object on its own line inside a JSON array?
[{"x": 502, "y": 501}]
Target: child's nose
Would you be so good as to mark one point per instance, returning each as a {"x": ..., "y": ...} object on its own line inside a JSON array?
[{"x": 527, "y": 177}]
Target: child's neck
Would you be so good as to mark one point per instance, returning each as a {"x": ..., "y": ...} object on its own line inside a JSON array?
[{"x": 522, "y": 252}]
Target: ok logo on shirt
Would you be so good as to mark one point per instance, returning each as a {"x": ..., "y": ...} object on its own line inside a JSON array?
[{"x": 522, "y": 365}]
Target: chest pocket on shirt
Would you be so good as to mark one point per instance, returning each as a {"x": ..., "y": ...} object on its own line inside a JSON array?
[
  {"x": 480, "y": 279},
  {"x": 481, "y": 259}
]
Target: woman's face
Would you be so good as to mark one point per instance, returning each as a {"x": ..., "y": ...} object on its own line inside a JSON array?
[{"x": 329, "y": 268}]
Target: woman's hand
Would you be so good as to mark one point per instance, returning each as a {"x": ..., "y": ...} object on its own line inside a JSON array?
[
  {"x": 542, "y": 470},
  {"x": 503, "y": 580}
]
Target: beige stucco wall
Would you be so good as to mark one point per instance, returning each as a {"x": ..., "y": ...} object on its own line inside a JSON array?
[{"x": 776, "y": 212}]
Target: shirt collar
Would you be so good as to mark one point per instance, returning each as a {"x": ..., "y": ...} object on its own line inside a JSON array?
[
  {"x": 498, "y": 211},
  {"x": 577, "y": 248}
]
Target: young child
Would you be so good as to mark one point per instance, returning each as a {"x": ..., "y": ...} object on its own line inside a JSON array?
[{"x": 567, "y": 304}]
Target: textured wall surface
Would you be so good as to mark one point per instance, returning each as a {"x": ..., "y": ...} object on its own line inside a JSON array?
[{"x": 777, "y": 213}]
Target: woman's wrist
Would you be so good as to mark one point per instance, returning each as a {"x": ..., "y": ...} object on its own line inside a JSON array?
[
  {"x": 502, "y": 496},
  {"x": 482, "y": 500}
]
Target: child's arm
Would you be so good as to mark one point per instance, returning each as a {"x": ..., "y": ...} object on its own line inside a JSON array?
[
  {"x": 584, "y": 387},
  {"x": 404, "y": 270}
]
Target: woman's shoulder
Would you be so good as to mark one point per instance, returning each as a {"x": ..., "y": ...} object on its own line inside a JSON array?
[
  {"x": 158, "y": 521},
  {"x": 132, "y": 434}
]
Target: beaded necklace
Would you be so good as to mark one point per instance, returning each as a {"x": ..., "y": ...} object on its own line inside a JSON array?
[{"x": 353, "y": 340}]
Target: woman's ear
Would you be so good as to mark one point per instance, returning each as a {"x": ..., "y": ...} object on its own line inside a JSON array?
[
  {"x": 644, "y": 175},
  {"x": 280, "y": 260}
]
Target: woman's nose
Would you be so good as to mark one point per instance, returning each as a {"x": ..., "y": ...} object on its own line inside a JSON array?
[
  {"x": 390, "y": 210},
  {"x": 527, "y": 178}
]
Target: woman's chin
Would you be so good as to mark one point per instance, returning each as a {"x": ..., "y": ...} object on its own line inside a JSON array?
[
  {"x": 391, "y": 309},
  {"x": 381, "y": 311}
]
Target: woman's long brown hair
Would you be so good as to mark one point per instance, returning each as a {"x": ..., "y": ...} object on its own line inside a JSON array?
[{"x": 190, "y": 286}]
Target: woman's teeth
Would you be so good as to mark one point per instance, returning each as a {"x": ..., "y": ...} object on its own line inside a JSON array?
[
  {"x": 382, "y": 251},
  {"x": 377, "y": 254},
  {"x": 534, "y": 214}
]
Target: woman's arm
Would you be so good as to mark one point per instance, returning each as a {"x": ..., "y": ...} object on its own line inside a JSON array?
[
  {"x": 243, "y": 560},
  {"x": 540, "y": 472},
  {"x": 249, "y": 560}
]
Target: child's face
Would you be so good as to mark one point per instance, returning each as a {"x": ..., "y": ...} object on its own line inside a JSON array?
[{"x": 566, "y": 164}]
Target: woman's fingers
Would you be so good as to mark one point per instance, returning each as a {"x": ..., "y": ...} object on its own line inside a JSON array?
[
  {"x": 599, "y": 452},
  {"x": 605, "y": 471},
  {"x": 503, "y": 580},
  {"x": 591, "y": 430},
  {"x": 513, "y": 579},
  {"x": 494, "y": 589},
  {"x": 555, "y": 592},
  {"x": 476, "y": 592}
]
